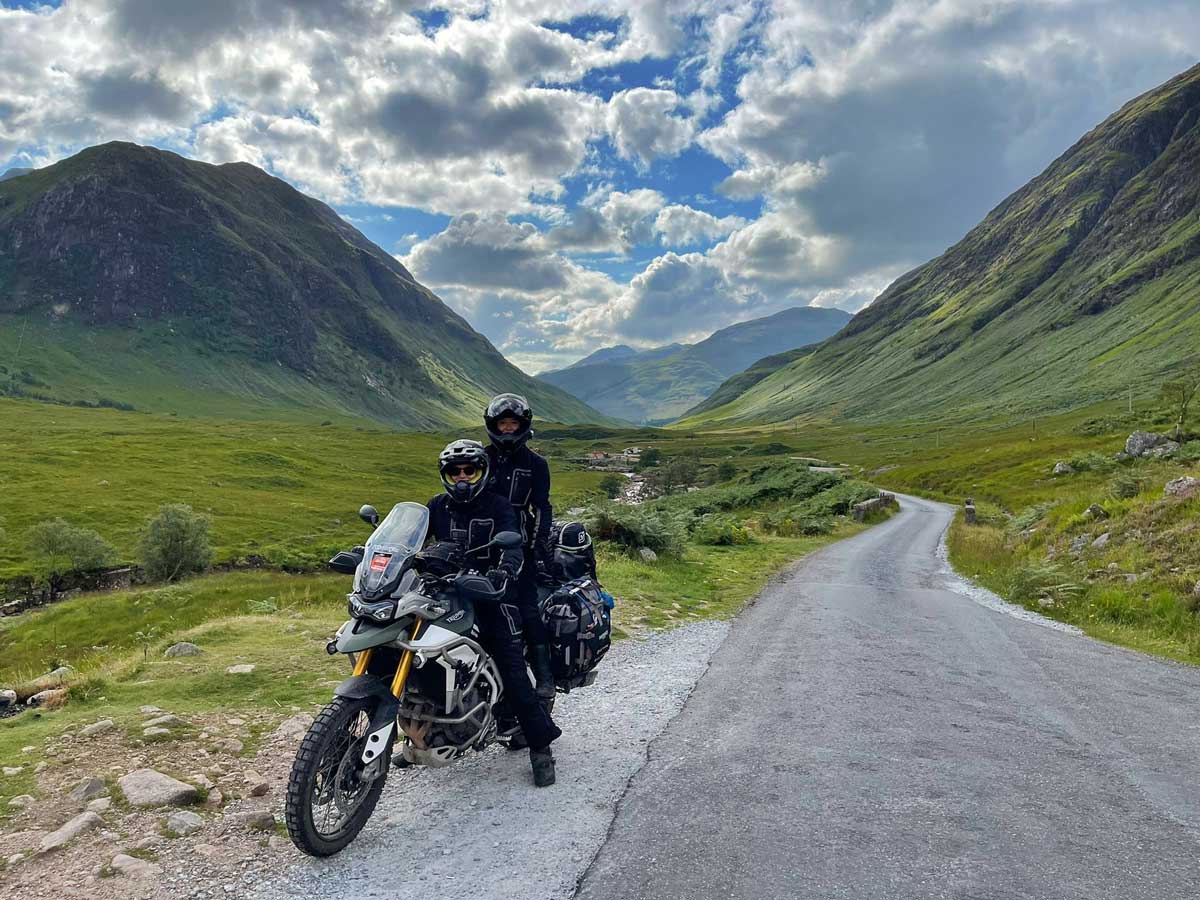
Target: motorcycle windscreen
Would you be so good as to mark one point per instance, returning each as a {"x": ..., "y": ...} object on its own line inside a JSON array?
[{"x": 398, "y": 537}]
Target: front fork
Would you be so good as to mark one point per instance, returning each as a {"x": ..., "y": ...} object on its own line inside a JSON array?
[{"x": 381, "y": 731}]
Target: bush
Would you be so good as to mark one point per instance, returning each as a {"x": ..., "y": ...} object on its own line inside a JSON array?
[
  {"x": 612, "y": 485},
  {"x": 726, "y": 471},
  {"x": 63, "y": 547},
  {"x": 175, "y": 543},
  {"x": 720, "y": 531},
  {"x": 1125, "y": 486},
  {"x": 1030, "y": 516},
  {"x": 634, "y": 527},
  {"x": 649, "y": 458},
  {"x": 1031, "y": 580},
  {"x": 1189, "y": 452},
  {"x": 793, "y": 523},
  {"x": 1091, "y": 461}
]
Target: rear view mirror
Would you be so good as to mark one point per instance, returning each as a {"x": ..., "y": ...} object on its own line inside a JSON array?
[{"x": 369, "y": 515}]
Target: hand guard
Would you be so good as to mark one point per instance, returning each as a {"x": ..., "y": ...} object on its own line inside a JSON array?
[{"x": 499, "y": 577}]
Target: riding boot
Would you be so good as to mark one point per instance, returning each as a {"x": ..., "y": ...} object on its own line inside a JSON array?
[
  {"x": 542, "y": 674},
  {"x": 542, "y": 762}
]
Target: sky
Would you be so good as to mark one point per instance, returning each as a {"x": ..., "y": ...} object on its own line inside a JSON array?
[{"x": 580, "y": 173}]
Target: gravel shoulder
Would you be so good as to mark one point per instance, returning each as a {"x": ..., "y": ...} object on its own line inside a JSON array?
[{"x": 479, "y": 828}]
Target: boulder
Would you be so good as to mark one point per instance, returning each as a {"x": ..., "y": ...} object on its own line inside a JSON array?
[
  {"x": 146, "y": 787},
  {"x": 1140, "y": 443},
  {"x": 150, "y": 710},
  {"x": 1095, "y": 511},
  {"x": 230, "y": 745},
  {"x": 1101, "y": 542},
  {"x": 100, "y": 804},
  {"x": 243, "y": 669},
  {"x": 1062, "y": 468},
  {"x": 86, "y": 790},
  {"x": 60, "y": 673},
  {"x": 183, "y": 648},
  {"x": 1184, "y": 488},
  {"x": 21, "y": 801},
  {"x": 97, "y": 728},
  {"x": 648, "y": 555},
  {"x": 132, "y": 867},
  {"x": 156, "y": 732},
  {"x": 184, "y": 823},
  {"x": 85, "y": 821},
  {"x": 10, "y": 771},
  {"x": 8, "y": 698},
  {"x": 49, "y": 699}
]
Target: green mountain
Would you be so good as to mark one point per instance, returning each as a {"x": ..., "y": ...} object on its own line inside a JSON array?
[
  {"x": 1082, "y": 285},
  {"x": 657, "y": 385},
  {"x": 131, "y": 276}
]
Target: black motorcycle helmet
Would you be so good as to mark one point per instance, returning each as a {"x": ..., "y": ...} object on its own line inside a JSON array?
[
  {"x": 463, "y": 456},
  {"x": 508, "y": 405}
]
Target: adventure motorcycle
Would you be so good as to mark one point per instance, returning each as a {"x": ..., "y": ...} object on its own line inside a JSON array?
[{"x": 418, "y": 666}]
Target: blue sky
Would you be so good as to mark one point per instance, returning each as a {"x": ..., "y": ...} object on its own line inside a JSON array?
[{"x": 580, "y": 173}]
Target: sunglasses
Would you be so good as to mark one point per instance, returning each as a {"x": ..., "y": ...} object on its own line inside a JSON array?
[{"x": 468, "y": 471}]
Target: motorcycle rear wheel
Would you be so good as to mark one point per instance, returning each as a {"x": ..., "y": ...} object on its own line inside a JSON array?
[{"x": 328, "y": 802}]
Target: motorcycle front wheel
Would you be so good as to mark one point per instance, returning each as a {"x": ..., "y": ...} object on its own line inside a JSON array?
[{"x": 331, "y": 793}]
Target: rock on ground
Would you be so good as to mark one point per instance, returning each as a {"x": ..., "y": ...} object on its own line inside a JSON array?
[
  {"x": 85, "y": 821},
  {"x": 87, "y": 790},
  {"x": 184, "y": 822},
  {"x": 97, "y": 728},
  {"x": 183, "y": 648},
  {"x": 49, "y": 698},
  {"x": 648, "y": 555},
  {"x": 1140, "y": 443},
  {"x": 1184, "y": 488},
  {"x": 243, "y": 669},
  {"x": 132, "y": 867},
  {"x": 1063, "y": 468},
  {"x": 146, "y": 787}
]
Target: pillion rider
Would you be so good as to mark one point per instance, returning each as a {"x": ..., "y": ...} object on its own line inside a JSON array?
[
  {"x": 521, "y": 476},
  {"x": 471, "y": 515}
]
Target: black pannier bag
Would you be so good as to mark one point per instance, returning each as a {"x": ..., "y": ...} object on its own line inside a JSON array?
[{"x": 577, "y": 615}]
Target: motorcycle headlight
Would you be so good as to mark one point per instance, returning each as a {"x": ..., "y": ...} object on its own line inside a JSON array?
[{"x": 383, "y": 611}]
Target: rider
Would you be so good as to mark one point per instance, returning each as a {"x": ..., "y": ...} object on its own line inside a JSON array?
[
  {"x": 470, "y": 515},
  {"x": 523, "y": 477}
]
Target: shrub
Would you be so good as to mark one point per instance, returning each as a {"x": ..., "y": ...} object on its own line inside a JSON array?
[
  {"x": 1032, "y": 580},
  {"x": 175, "y": 543},
  {"x": 611, "y": 485},
  {"x": 634, "y": 527},
  {"x": 1091, "y": 461},
  {"x": 726, "y": 471},
  {"x": 1189, "y": 452},
  {"x": 793, "y": 523},
  {"x": 649, "y": 458},
  {"x": 63, "y": 547},
  {"x": 1125, "y": 486},
  {"x": 720, "y": 531},
  {"x": 1030, "y": 516}
]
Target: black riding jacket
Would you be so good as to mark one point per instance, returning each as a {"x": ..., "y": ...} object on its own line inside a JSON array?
[
  {"x": 524, "y": 478},
  {"x": 471, "y": 525}
]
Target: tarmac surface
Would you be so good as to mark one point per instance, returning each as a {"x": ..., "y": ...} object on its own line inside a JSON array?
[{"x": 874, "y": 727}]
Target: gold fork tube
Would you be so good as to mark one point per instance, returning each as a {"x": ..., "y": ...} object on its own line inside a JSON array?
[
  {"x": 405, "y": 663},
  {"x": 361, "y": 661}
]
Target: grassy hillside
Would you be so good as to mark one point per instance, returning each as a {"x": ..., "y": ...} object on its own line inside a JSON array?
[
  {"x": 1081, "y": 285},
  {"x": 658, "y": 385},
  {"x": 134, "y": 276}
]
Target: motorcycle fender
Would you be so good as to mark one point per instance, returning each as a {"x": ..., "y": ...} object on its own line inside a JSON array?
[
  {"x": 369, "y": 636},
  {"x": 383, "y": 721}
]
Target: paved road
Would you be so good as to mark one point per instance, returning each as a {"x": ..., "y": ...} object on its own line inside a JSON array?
[{"x": 867, "y": 731}]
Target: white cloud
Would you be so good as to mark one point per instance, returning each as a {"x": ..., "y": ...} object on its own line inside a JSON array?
[
  {"x": 683, "y": 226},
  {"x": 644, "y": 127}
]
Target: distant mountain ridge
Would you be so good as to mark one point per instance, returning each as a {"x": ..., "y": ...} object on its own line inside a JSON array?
[
  {"x": 657, "y": 385},
  {"x": 133, "y": 276},
  {"x": 1082, "y": 285}
]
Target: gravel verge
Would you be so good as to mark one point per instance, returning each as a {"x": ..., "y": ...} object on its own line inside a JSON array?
[{"x": 479, "y": 829}]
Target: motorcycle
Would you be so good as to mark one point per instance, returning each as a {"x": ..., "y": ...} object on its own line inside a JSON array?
[{"x": 419, "y": 672}]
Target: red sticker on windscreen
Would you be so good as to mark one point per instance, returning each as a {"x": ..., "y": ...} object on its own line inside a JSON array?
[{"x": 380, "y": 561}]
